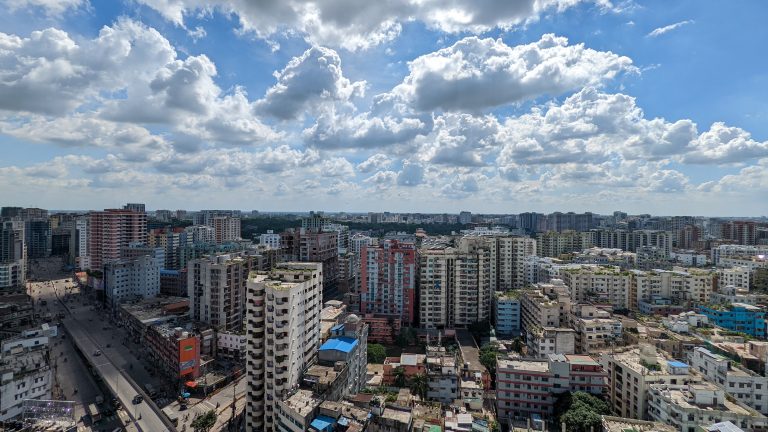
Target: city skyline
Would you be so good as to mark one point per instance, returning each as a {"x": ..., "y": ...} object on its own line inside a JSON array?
[{"x": 403, "y": 106}]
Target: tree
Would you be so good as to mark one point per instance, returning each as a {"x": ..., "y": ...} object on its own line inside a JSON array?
[
  {"x": 480, "y": 329},
  {"x": 580, "y": 411},
  {"x": 406, "y": 337},
  {"x": 400, "y": 376},
  {"x": 517, "y": 345},
  {"x": 488, "y": 353},
  {"x": 419, "y": 385},
  {"x": 376, "y": 353},
  {"x": 205, "y": 422}
]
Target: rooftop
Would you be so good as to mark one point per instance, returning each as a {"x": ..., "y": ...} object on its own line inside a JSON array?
[
  {"x": 322, "y": 422},
  {"x": 631, "y": 359},
  {"x": 412, "y": 359},
  {"x": 398, "y": 415},
  {"x": 324, "y": 375},
  {"x": 157, "y": 307},
  {"x": 343, "y": 343},
  {"x": 581, "y": 359},
  {"x": 683, "y": 397},
  {"x": 620, "y": 424},
  {"x": 527, "y": 365},
  {"x": 303, "y": 402}
]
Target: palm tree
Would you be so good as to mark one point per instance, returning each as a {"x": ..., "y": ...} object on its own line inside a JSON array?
[
  {"x": 419, "y": 385},
  {"x": 399, "y": 376}
]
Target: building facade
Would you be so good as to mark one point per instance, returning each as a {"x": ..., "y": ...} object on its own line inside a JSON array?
[
  {"x": 283, "y": 335},
  {"x": 112, "y": 230},
  {"x": 216, "y": 286},
  {"x": 388, "y": 281}
]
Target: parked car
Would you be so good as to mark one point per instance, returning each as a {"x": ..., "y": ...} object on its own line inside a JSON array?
[
  {"x": 97, "y": 353},
  {"x": 138, "y": 399}
]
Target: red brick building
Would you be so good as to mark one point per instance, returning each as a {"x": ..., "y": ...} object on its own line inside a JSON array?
[{"x": 388, "y": 282}]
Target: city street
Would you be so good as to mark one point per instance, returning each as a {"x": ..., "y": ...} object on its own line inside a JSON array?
[
  {"x": 222, "y": 397},
  {"x": 73, "y": 379},
  {"x": 86, "y": 321}
]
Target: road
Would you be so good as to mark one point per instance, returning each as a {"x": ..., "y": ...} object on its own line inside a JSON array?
[
  {"x": 92, "y": 328},
  {"x": 221, "y": 402},
  {"x": 145, "y": 418}
]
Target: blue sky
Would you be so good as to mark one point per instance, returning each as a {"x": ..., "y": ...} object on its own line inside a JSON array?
[{"x": 485, "y": 106}]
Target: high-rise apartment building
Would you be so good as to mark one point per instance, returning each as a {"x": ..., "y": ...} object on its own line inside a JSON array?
[
  {"x": 632, "y": 241},
  {"x": 465, "y": 217},
  {"x": 38, "y": 232},
  {"x": 171, "y": 240},
  {"x": 741, "y": 232},
  {"x": 603, "y": 284},
  {"x": 132, "y": 278},
  {"x": 200, "y": 234},
  {"x": 135, "y": 207},
  {"x": 388, "y": 280},
  {"x": 455, "y": 284},
  {"x": 554, "y": 244},
  {"x": 283, "y": 335},
  {"x": 688, "y": 237},
  {"x": 13, "y": 256},
  {"x": 82, "y": 259},
  {"x": 110, "y": 231},
  {"x": 313, "y": 245},
  {"x": 508, "y": 255},
  {"x": 225, "y": 229},
  {"x": 683, "y": 286},
  {"x": 216, "y": 285}
]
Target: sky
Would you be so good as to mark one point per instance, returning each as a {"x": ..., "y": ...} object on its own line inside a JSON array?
[{"x": 490, "y": 106}]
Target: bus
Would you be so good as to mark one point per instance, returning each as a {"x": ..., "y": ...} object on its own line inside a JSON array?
[{"x": 93, "y": 412}]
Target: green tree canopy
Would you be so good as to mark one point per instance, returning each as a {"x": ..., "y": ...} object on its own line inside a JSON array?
[
  {"x": 488, "y": 353},
  {"x": 205, "y": 422},
  {"x": 400, "y": 376},
  {"x": 580, "y": 411},
  {"x": 376, "y": 353},
  {"x": 419, "y": 385}
]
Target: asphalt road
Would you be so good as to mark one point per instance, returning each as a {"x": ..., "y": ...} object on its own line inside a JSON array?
[
  {"x": 93, "y": 330},
  {"x": 82, "y": 327}
]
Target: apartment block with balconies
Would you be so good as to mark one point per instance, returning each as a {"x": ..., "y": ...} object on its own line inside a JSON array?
[{"x": 283, "y": 335}]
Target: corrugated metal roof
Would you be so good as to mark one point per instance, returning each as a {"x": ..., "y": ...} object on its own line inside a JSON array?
[{"x": 343, "y": 344}]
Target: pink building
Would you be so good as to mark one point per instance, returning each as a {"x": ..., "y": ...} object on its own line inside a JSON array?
[
  {"x": 388, "y": 280},
  {"x": 110, "y": 231}
]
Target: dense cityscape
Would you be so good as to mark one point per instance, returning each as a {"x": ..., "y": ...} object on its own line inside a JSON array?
[
  {"x": 383, "y": 216},
  {"x": 129, "y": 319}
]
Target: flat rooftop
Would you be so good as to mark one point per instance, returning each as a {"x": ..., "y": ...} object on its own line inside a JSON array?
[
  {"x": 631, "y": 359},
  {"x": 524, "y": 365},
  {"x": 581, "y": 359},
  {"x": 325, "y": 375},
  {"x": 303, "y": 402},
  {"x": 619, "y": 424},
  {"x": 684, "y": 397},
  {"x": 157, "y": 307},
  {"x": 400, "y": 416}
]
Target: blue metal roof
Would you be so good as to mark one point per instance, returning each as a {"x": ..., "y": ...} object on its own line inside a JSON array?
[
  {"x": 323, "y": 423},
  {"x": 337, "y": 327},
  {"x": 676, "y": 364},
  {"x": 343, "y": 344}
]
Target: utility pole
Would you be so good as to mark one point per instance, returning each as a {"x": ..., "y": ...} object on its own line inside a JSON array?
[{"x": 234, "y": 401}]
